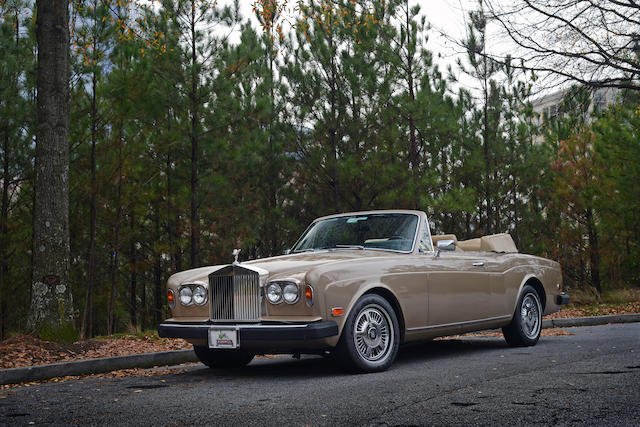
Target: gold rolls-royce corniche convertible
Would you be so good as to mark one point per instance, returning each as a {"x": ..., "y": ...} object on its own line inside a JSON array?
[{"x": 357, "y": 285}]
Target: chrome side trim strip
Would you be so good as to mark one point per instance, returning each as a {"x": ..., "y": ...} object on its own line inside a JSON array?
[{"x": 468, "y": 323}]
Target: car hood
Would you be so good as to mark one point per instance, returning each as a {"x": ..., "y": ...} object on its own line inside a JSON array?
[{"x": 280, "y": 266}]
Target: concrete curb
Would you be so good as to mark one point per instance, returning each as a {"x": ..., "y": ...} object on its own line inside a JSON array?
[
  {"x": 95, "y": 366},
  {"x": 177, "y": 357},
  {"x": 590, "y": 321}
]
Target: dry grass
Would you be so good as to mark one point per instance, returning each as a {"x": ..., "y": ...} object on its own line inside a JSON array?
[{"x": 589, "y": 296}]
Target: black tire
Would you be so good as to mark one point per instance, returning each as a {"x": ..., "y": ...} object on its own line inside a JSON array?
[
  {"x": 223, "y": 358},
  {"x": 370, "y": 337},
  {"x": 524, "y": 329}
]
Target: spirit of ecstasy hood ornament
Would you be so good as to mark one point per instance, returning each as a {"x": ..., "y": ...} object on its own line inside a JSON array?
[{"x": 235, "y": 253}]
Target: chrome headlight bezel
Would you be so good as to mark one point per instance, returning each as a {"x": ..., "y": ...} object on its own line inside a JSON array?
[
  {"x": 277, "y": 291},
  {"x": 185, "y": 296},
  {"x": 202, "y": 292},
  {"x": 291, "y": 288},
  {"x": 189, "y": 291},
  {"x": 279, "y": 286}
]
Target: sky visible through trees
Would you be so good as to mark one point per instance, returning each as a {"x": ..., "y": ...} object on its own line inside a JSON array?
[{"x": 185, "y": 142}]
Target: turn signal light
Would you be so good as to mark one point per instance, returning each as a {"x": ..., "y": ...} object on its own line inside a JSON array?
[
  {"x": 337, "y": 311},
  {"x": 308, "y": 295},
  {"x": 171, "y": 298}
]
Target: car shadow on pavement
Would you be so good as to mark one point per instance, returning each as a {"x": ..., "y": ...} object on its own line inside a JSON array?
[
  {"x": 448, "y": 348},
  {"x": 308, "y": 366}
]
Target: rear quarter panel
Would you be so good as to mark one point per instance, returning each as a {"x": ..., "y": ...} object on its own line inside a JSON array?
[{"x": 521, "y": 268}]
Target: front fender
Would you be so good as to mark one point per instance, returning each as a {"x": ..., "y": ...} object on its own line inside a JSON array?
[{"x": 346, "y": 294}]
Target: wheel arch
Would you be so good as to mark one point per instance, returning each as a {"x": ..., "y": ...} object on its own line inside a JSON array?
[
  {"x": 391, "y": 299},
  {"x": 536, "y": 284}
]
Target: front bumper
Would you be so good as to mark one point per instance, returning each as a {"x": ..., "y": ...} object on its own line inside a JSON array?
[
  {"x": 562, "y": 299},
  {"x": 255, "y": 332}
]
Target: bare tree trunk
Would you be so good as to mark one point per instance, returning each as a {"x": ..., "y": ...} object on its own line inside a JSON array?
[
  {"x": 116, "y": 242},
  {"x": 413, "y": 145},
  {"x": 172, "y": 214},
  {"x": 273, "y": 190},
  {"x": 143, "y": 303},
  {"x": 332, "y": 133},
  {"x": 86, "y": 330},
  {"x": 486, "y": 154},
  {"x": 157, "y": 276},
  {"x": 195, "y": 220},
  {"x": 51, "y": 310},
  {"x": 4, "y": 214},
  {"x": 133, "y": 306},
  {"x": 594, "y": 255}
]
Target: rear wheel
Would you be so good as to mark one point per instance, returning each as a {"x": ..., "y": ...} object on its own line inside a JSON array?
[
  {"x": 370, "y": 337},
  {"x": 524, "y": 329},
  {"x": 223, "y": 358}
]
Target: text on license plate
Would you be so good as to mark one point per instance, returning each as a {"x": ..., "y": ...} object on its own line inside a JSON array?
[{"x": 223, "y": 338}]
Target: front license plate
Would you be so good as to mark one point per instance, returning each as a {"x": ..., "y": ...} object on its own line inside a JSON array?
[{"x": 223, "y": 338}]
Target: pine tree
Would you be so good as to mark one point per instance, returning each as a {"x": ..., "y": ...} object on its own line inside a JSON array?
[
  {"x": 51, "y": 312},
  {"x": 17, "y": 107}
]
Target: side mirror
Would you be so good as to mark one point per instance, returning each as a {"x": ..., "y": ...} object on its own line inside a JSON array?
[
  {"x": 287, "y": 252},
  {"x": 446, "y": 245}
]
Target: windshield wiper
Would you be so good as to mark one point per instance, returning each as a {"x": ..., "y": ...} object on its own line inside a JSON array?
[
  {"x": 350, "y": 247},
  {"x": 303, "y": 250}
]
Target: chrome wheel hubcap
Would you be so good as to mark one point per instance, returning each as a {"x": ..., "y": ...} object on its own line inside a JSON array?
[
  {"x": 531, "y": 315},
  {"x": 373, "y": 333}
]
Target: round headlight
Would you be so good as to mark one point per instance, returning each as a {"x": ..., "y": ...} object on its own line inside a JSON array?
[
  {"x": 186, "y": 296},
  {"x": 200, "y": 295},
  {"x": 274, "y": 293},
  {"x": 290, "y": 293}
]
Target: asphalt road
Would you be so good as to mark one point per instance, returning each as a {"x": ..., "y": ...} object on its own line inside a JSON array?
[{"x": 590, "y": 378}]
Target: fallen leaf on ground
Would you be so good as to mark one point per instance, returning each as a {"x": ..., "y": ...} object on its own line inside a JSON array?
[{"x": 25, "y": 350}]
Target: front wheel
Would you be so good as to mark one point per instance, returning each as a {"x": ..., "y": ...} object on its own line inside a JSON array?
[
  {"x": 524, "y": 329},
  {"x": 222, "y": 358},
  {"x": 370, "y": 337}
]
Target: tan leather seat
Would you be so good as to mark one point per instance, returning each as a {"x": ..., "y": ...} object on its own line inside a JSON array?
[
  {"x": 502, "y": 242},
  {"x": 470, "y": 245}
]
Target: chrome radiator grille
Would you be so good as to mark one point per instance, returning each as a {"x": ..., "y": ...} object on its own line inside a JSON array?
[{"x": 235, "y": 294}]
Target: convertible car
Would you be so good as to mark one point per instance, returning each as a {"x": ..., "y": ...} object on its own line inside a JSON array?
[{"x": 357, "y": 285}]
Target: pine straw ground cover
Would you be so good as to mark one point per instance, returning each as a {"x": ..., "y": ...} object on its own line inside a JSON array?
[{"x": 25, "y": 350}]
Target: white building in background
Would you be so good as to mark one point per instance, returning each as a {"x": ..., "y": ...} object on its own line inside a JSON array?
[{"x": 550, "y": 107}]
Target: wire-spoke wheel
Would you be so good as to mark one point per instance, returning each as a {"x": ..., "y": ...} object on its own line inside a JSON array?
[
  {"x": 524, "y": 329},
  {"x": 373, "y": 333},
  {"x": 531, "y": 316},
  {"x": 369, "y": 340}
]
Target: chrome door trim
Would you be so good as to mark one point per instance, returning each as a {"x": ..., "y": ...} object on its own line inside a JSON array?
[{"x": 468, "y": 323}]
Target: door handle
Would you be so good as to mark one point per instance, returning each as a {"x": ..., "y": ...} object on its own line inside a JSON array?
[{"x": 478, "y": 264}]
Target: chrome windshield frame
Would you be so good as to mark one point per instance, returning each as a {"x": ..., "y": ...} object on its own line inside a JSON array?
[{"x": 413, "y": 244}]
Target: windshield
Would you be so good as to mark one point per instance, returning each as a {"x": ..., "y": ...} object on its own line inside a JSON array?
[{"x": 391, "y": 231}]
